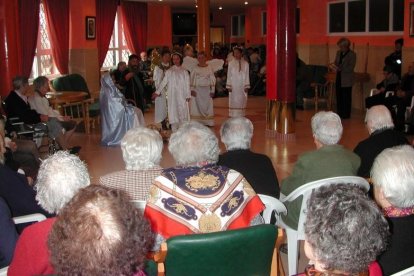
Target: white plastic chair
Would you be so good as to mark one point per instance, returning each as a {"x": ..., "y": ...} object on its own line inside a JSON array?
[
  {"x": 140, "y": 204},
  {"x": 19, "y": 220},
  {"x": 294, "y": 236},
  {"x": 406, "y": 272},
  {"x": 272, "y": 204}
]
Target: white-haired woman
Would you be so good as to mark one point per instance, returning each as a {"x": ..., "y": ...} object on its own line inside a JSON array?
[
  {"x": 328, "y": 160},
  {"x": 141, "y": 150},
  {"x": 60, "y": 177},
  {"x": 344, "y": 65},
  {"x": 199, "y": 196},
  {"x": 236, "y": 134},
  {"x": 393, "y": 178},
  {"x": 381, "y": 136}
]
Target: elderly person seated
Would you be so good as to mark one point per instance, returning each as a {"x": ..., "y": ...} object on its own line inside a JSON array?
[
  {"x": 344, "y": 232},
  {"x": 381, "y": 136},
  {"x": 64, "y": 126},
  {"x": 236, "y": 134},
  {"x": 199, "y": 196},
  {"x": 17, "y": 105},
  {"x": 393, "y": 178},
  {"x": 21, "y": 155},
  {"x": 141, "y": 149},
  {"x": 100, "y": 232},
  {"x": 117, "y": 115},
  {"x": 16, "y": 191},
  {"x": 60, "y": 177},
  {"x": 328, "y": 160}
]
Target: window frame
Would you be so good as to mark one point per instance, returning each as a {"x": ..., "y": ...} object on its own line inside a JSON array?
[
  {"x": 119, "y": 39},
  {"x": 367, "y": 32},
  {"x": 39, "y": 52},
  {"x": 239, "y": 16}
]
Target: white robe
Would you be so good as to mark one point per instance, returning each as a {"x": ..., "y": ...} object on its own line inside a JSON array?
[
  {"x": 203, "y": 82},
  {"x": 161, "y": 101},
  {"x": 177, "y": 83},
  {"x": 237, "y": 81}
]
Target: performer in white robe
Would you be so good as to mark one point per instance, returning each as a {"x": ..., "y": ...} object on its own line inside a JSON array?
[
  {"x": 161, "y": 101},
  {"x": 177, "y": 83},
  {"x": 203, "y": 84},
  {"x": 238, "y": 84}
]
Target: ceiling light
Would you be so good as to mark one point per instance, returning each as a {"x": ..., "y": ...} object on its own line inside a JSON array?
[
  {"x": 246, "y": 3},
  {"x": 196, "y": 6},
  {"x": 220, "y": 8}
]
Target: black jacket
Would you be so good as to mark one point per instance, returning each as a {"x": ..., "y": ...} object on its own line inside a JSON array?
[
  {"x": 256, "y": 168},
  {"x": 16, "y": 107},
  {"x": 371, "y": 147}
]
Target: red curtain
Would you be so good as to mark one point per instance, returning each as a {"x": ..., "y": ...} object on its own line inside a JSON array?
[
  {"x": 105, "y": 18},
  {"x": 57, "y": 14},
  {"x": 29, "y": 25},
  {"x": 134, "y": 19}
]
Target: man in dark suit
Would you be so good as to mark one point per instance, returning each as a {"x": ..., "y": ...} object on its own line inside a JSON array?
[
  {"x": 236, "y": 134},
  {"x": 17, "y": 104},
  {"x": 381, "y": 136}
]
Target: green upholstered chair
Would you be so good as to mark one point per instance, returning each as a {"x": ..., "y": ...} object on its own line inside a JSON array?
[
  {"x": 247, "y": 251},
  {"x": 75, "y": 82}
]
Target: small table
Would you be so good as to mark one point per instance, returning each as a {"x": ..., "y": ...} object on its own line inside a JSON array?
[{"x": 59, "y": 100}]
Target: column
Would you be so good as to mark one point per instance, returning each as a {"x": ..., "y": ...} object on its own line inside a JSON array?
[
  {"x": 9, "y": 45},
  {"x": 203, "y": 26},
  {"x": 281, "y": 69}
]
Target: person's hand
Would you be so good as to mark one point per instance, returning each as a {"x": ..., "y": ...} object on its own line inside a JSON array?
[
  {"x": 129, "y": 76},
  {"x": 30, "y": 180},
  {"x": 12, "y": 146},
  {"x": 66, "y": 118},
  {"x": 154, "y": 96},
  {"x": 44, "y": 118},
  {"x": 193, "y": 93},
  {"x": 401, "y": 94}
]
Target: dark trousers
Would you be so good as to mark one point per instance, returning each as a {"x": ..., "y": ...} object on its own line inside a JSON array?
[{"x": 344, "y": 101}]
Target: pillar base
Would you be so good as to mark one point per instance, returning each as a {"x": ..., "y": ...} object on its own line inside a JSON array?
[{"x": 280, "y": 120}]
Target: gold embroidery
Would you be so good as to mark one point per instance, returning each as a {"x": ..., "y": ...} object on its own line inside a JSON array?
[
  {"x": 233, "y": 203},
  {"x": 180, "y": 208},
  {"x": 202, "y": 181},
  {"x": 154, "y": 194},
  {"x": 248, "y": 188},
  {"x": 209, "y": 223}
]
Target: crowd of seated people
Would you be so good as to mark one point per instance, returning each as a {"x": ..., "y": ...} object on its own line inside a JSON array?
[{"x": 99, "y": 231}]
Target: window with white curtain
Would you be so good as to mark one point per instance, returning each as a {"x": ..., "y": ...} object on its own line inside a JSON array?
[
  {"x": 43, "y": 64},
  {"x": 118, "y": 49}
]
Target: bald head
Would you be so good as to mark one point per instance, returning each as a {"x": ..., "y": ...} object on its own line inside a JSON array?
[{"x": 378, "y": 117}]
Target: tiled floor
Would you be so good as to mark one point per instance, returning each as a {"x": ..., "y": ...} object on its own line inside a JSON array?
[{"x": 102, "y": 160}]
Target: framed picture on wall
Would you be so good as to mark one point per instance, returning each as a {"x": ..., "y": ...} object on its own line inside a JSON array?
[
  {"x": 412, "y": 19},
  {"x": 90, "y": 24}
]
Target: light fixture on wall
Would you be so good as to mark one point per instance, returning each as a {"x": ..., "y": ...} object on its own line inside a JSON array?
[
  {"x": 220, "y": 8},
  {"x": 246, "y": 3}
]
